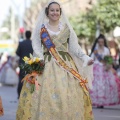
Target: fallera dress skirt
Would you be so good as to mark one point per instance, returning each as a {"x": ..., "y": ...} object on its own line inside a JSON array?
[
  {"x": 60, "y": 96},
  {"x": 106, "y": 88}
]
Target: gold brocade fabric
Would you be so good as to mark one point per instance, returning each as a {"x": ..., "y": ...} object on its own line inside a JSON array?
[{"x": 60, "y": 97}]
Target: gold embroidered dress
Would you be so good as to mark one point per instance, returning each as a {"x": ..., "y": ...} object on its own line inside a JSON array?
[{"x": 60, "y": 96}]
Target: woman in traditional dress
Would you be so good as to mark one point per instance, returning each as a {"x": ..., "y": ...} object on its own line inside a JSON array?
[
  {"x": 8, "y": 73},
  {"x": 63, "y": 93},
  {"x": 105, "y": 88}
]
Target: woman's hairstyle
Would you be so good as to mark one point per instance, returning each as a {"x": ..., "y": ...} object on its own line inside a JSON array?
[
  {"x": 47, "y": 8},
  {"x": 101, "y": 36}
]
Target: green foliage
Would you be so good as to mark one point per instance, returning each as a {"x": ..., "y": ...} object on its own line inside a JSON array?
[
  {"x": 84, "y": 26},
  {"x": 106, "y": 13},
  {"x": 108, "y": 60},
  {"x": 36, "y": 66},
  {"x": 33, "y": 67}
]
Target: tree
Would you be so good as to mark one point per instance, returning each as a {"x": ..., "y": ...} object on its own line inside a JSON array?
[
  {"x": 106, "y": 13},
  {"x": 84, "y": 26}
]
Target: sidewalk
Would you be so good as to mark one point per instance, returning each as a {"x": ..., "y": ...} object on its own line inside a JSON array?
[
  {"x": 10, "y": 102},
  {"x": 108, "y": 113}
]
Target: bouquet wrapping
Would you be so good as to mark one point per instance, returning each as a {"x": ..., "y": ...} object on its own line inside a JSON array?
[{"x": 33, "y": 68}]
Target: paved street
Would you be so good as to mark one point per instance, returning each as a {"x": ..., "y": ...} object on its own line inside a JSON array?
[{"x": 10, "y": 102}]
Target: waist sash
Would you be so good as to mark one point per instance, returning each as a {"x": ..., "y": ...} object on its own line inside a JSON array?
[{"x": 47, "y": 42}]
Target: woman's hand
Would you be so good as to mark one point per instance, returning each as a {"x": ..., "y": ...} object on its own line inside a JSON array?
[{"x": 90, "y": 62}]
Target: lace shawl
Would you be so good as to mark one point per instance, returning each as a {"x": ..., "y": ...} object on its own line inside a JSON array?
[{"x": 80, "y": 58}]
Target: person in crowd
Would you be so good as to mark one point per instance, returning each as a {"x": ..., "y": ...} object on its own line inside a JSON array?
[
  {"x": 8, "y": 75},
  {"x": 4, "y": 58},
  {"x": 116, "y": 58},
  {"x": 63, "y": 93},
  {"x": 3, "y": 64},
  {"x": 1, "y": 55},
  {"x": 105, "y": 89},
  {"x": 24, "y": 49}
]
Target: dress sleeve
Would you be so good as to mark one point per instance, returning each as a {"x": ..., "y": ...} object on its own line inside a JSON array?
[
  {"x": 93, "y": 56},
  {"x": 37, "y": 45},
  {"x": 75, "y": 48}
]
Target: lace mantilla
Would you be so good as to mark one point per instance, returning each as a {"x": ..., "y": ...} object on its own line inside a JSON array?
[{"x": 74, "y": 48}]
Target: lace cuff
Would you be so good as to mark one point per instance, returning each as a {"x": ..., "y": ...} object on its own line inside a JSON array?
[{"x": 86, "y": 59}]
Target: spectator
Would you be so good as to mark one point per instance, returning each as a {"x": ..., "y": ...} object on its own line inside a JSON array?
[{"x": 24, "y": 49}]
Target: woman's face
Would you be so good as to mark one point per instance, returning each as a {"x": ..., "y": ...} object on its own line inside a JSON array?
[
  {"x": 54, "y": 12},
  {"x": 101, "y": 42}
]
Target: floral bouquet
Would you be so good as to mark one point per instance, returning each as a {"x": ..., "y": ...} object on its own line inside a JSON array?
[
  {"x": 108, "y": 61},
  {"x": 33, "y": 67}
]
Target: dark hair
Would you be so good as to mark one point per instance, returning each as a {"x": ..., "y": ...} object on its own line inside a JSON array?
[
  {"x": 101, "y": 36},
  {"x": 47, "y": 8},
  {"x": 28, "y": 34}
]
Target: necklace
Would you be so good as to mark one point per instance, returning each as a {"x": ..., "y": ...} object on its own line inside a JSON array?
[{"x": 54, "y": 26}]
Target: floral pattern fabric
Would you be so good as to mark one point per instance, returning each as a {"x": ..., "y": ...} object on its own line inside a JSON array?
[
  {"x": 60, "y": 97},
  {"x": 105, "y": 87}
]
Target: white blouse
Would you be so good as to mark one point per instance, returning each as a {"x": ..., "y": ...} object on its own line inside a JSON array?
[{"x": 52, "y": 32}]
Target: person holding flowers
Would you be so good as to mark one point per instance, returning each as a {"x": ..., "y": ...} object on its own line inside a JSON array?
[
  {"x": 105, "y": 90},
  {"x": 61, "y": 90}
]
